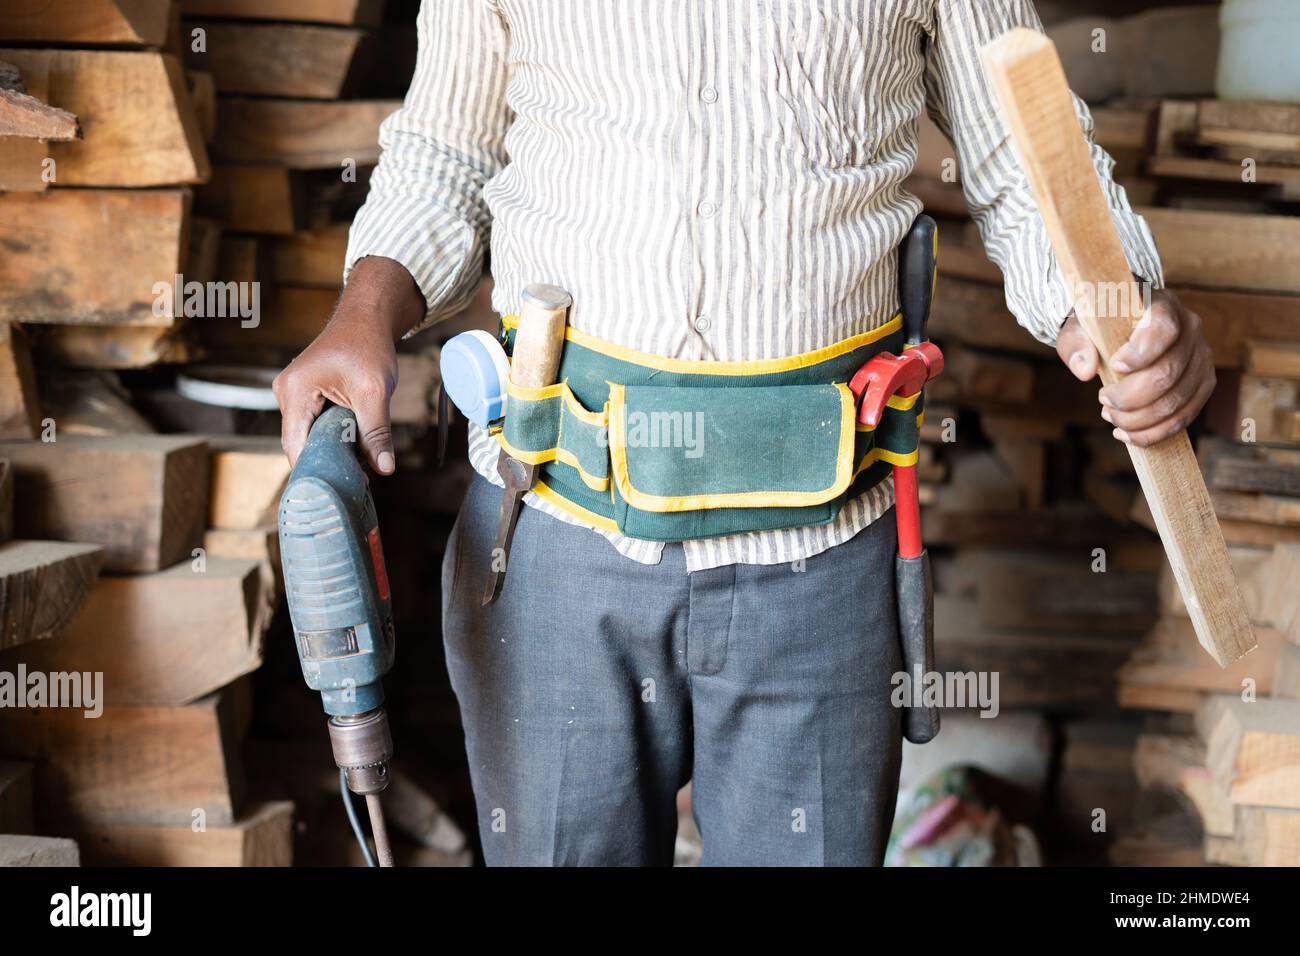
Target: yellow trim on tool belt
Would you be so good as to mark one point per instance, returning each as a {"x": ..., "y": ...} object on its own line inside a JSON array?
[
  {"x": 700, "y": 367},
  {"x": 844, "y": 470},
  {"x": 546, "y": 493}
]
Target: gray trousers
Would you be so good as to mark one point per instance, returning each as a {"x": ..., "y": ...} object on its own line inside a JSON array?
[{"x": 596, "y": 687}]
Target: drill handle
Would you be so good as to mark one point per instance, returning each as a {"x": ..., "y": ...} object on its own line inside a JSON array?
[{"x": 918, "y": 257}]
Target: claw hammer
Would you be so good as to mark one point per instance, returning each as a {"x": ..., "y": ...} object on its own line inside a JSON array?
[
  {"x": 887, "y": 376},
  {"x": 534, "y": 363}
]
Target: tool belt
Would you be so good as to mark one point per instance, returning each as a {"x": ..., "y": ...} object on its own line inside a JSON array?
[{"x": 672, "y": 449}]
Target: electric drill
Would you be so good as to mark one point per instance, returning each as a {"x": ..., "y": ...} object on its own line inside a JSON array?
[{"x": 342, "y": 611}]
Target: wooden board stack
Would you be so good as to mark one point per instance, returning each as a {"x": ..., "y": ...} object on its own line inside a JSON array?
[
  {"x": 143, "y": 766},
  {"x": 1028, "y": 496},
  {"x": 104, "y": 207},
  {"x": 298, "y": 108}
]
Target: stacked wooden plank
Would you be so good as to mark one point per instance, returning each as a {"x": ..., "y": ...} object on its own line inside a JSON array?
[
  {"x": 142, "y": 767},
  {"x": 296, "y": 137},
  {"x": 1046, "y": 569},
  {"x": 103, "y": 207}
]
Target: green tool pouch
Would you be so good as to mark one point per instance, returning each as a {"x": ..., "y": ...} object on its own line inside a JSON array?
[{"x": 670, "y": 450}]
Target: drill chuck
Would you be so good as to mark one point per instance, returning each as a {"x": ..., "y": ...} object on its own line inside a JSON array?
[{"x": 362, "y": 748}]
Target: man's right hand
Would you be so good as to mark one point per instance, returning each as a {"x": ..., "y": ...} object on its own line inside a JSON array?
[{"x": 353, "y": 362}]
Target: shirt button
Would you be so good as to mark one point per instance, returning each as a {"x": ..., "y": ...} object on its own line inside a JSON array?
[
  {"x": 706, "y": 209},
  {"x": 709, "y": 94},
  {"x": 702, "y": 323}
]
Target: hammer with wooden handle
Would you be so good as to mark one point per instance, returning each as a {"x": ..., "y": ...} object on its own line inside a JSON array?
[
  {"x": 1030, "y": 83},
  {"x": 535, "y": 363}
]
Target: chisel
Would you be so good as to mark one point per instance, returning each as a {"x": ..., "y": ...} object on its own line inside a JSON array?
[{"x": 534, "y": 363}]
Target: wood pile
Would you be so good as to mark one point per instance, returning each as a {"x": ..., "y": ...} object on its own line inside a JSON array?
[
  {"x": 1046, "y": 568},
  {"x": 167, "y": 163}
]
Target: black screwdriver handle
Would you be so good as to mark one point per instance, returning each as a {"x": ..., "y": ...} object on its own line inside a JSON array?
[{"x": 917, "y": 259}]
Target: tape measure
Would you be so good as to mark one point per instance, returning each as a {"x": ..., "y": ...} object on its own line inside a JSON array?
[{"x": 474, "y": 374}]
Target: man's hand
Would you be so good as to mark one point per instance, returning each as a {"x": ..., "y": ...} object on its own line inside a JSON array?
[
  {"x": 353, "y": 361},
  {"x": 1167, "y": 365}
]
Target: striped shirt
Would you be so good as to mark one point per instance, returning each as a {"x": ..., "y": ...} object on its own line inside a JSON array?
[{"x": 710, "y": 179}]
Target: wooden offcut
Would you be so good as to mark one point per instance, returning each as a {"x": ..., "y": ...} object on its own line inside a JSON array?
[
  {"x": 139, "y": 125},
  {"x": 86, "y": 22},
  {"x": 282, "y": 59},
  {"x": 143, "y": 498},
  {"x": 300, "y": 134},
  {"x": 91, "y": 255},
  {"x": 1253, "y": 749},
  {"x": 263, "y": 836},
  {"x": 147, "y": 765},
  {"x": 248, "y": 476},
  {"x": 1036, "y": 102},
  {"x": 166, "y": 638},
  {"x": 43, "y": 584}
]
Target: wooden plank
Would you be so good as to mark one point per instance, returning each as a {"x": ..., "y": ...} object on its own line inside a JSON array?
[
  {"x": 1254, "y": 125},
  {"x": 16, "y": 850},
  {"x": 20, "y": 406},
  {"x": 86, "y": 22},
  {"x": 1273, "y": 359},
  {"x": 116, "y": 346},
  {"x": 91, "y": 255},
  {"x": 248, "y": 476},
  {"x": 26, "y": 117},
  {"x": 1253, "y": 468},
  {"x": 312, "y": 62},
  {"x": 143, "y": 498},
  {"x": 1253, "y": 749},
  {"x": 140, "y": 128},
  {"x": 313, "y": 259},
  {"x": 1222, "y": 250},
  {"x": 1039, "y": 593},
  {"x": 166, "y": 638},
  {"x": 1166, "y": 673},
  {"x": 43, "y": 584},
  {"x": 262, "y": 837},
  {"x": 261, "y": 199},
  {"x": 300, "y": 134},
  {"x": 1036, "y": 102},
  {"x": 1261, "y": 837},
  {"x": 342, "y": 12},
  {"x": 1035, "y": 669},
  {"x": 1253, "y": 567},
  {"x": 1232, "y": 318},
  {"x": 147, "y": 765}
]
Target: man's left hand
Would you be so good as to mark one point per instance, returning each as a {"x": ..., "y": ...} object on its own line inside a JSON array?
[{"x": 1167, "y": 365}]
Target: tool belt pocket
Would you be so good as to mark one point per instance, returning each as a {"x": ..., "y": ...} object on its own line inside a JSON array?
[
  {"x": 549, "y": 424},
  {"x": 688, "y": 462}
]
